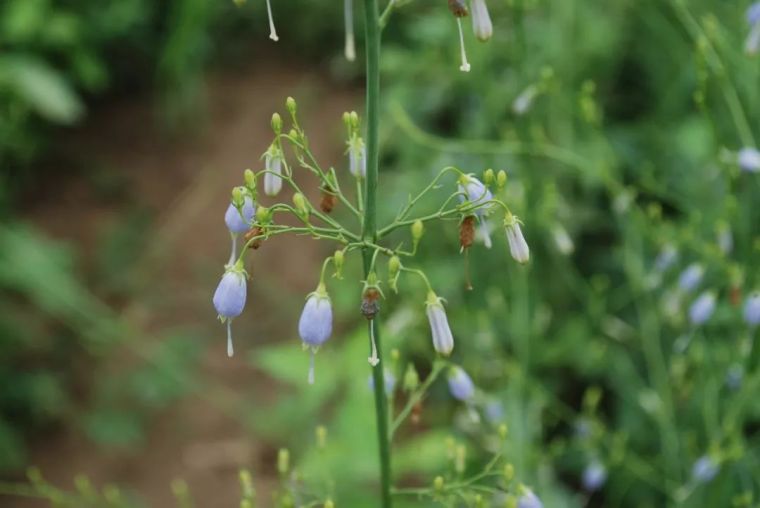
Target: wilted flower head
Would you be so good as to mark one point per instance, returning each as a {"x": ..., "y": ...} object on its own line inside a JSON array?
[
  {"x": 518, "y": 247},
  {"x": 704, "y": 469},
  {"x": 273, "y": 166},
  {"x": 752, "y": 309},
  {"x": 229, "y": 298},
  {"x": 315, "y": 324},
  {"x": 357, "y": 157},
  {"x": 443, "y": 341},
  {"x": 389, "y": 380},
  {"x": 460, "y": 384},
  {"x": 481, "y": 21},
  {"x": 594, "y": 476},
  {"x": 749, "y": 158},
  {"x": 691, "y": 277},
  {"x": 239, "y": 221},
  {"x": 702, "y": 308},
  {"x": 752, "y": 45},
  {"x": 529, "y": 500}
]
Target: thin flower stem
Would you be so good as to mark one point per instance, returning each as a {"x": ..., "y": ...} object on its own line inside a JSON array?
[
  {"x": 416, "y": 397},
  {"x": 385, "y": 16},
  {"x": 420, "y": 273}
]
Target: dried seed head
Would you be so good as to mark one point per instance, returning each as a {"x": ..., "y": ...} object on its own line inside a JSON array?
[
  {"x": 458, "y": 8},
  {"x": 370, "y": 302},
  {"x": 467, "y": 232},
  {"x": 329, "y": 200},
  {"x": 252, "y": 233}
]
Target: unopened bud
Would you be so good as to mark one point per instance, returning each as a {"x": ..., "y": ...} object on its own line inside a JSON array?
[
  {"x": 246, "y": 484},
  {"x": 395, "y": 354},
  {"x": 488, "y": 176},
  {"x": 263, "y": 215},
  {"x": 411, "y": 378},
  {"x": 418, "y": 229},
  {"x": 290, "y": 103},
  {"x": 503, "y": 431},
  {"x": 509, "y": 472},
  {"x": 283, "y": 461},
  {"x": 354, "y": 120},
  {"x": 510, "y": 502},
  {"x": 438, "y": 483},
  {"x": 250, "y": 179},
  {"x": 329, "y": 504},
  {"x": 276, "y": 123},
  {"x": 394, "y": 269},
  {"x": 501, "y": 179},
  {"x": 238, "y": 197},
  {"x": 338, "y": 259},
  {"x": 347, "y": 120},
  {"x": 300, "y": 203}
]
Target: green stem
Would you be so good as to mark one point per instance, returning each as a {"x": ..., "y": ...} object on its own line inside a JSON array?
[{"x": 369, "y": 233}]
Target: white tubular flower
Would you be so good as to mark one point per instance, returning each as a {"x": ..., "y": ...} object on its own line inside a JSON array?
[
  {"x": 348, "y": 12},
  {"x": 752, "y": 45},
  {"x": 272, "y": 31},
  {"x": 518, "y": 247},
  {"x": 749, "y": 159},
  {"x": 481, "y": 21},
  {"x": 562, "y": 240},
  {"x": 443, "y": 341},
  {"x": 357, "y": 157},
  {"x": 524, "y": 101},
  {"x": 273, "y": 166}
]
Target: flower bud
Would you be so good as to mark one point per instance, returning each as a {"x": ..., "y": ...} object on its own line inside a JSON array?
[
  {"x": 299, "y": 201},
  {"x": 357, "y": 157},
  {"x": 238, "y": 218},
  {"x": 691, "y": 277},
  {"x": 443, "y": 341},
  {"x": 481, "y": 20},
  {"x": 749, "y": 160},
  {"x": 263, "y": 215},
  {"x": 752, "y": 309},
  {"x": 338, "y": 260},
  {"x": 290, "y": 105},
  {"x": 347, "y": 120},
  {"x": 273, "y": 166},
  {"x": 702, "y": 308},
  {"x": 509, "y": 472},
  {"x": 562, "y": 240},
  {"x": 229, "y": 298},
  {"x": 501, "y": 179},
  {"x": 250, "y": 180},
  {"x": 418, "y": 229},
  {"x": 276, "y": 123},
  {"x": 283, "y": 461},
  {"x": 528, "y": 499},
  {"x": 329, "y": 504},
  {"x": 411, "y": 378},
  {"x": 704, "y": 469},
  {"x": 354, "y": 120},
  {"x": 238, "y": 196},
  {"x": 518, "y": 247},
  {"x": 315, "y": 324},
  {"x": 461, "y": 386},
  {"x": 503, "y": 431},
  {"x": 394, "y": 270},
  {"x": 438, "y": 483},
  {"x": 321, "y": 434},
  {"x": 488, "y": 177},
  {"x": 459, "y": 459}
]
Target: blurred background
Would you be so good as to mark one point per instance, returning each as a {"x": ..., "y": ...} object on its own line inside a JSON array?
[{"x": 124, "y": 125}]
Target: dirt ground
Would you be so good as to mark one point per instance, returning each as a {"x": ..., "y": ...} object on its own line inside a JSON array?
[{"x": 187, "y": 180}]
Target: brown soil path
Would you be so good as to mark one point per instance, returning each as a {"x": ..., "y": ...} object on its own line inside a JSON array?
[{"x": 188, "y": 182}]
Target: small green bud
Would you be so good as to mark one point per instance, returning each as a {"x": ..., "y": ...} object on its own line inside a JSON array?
[
  {"x": 181, "y": 492},
  {"x": 503, "y": 431},
  {"x": 321, "y": 434},
  {"x": 459, "y": 459},
  {"x": 394, "y": 269},
  {"x": 411, "y": 378},
  {"x": 354, "y": 120},
  {"x": 510, "y": 502},
  {"x": 488, "y": 177},
  {"x": 238, "y": 197},
  {"x": 112, "y": 494},
  {"x": 329, "y": 504},
  {"x": 246, "y": 503},
  {"x": 293, "y": 134},
  {"x": 300, "y": 203},
  {"x": 347, "y": 120},
  {"x": 338, "y": 259},
  {"x": 501, "y": 179},
  {"x": 290, "y": 103},
  {"x": 438, "y": 483},
  {"x": 395, "y": 354},
  {"x": 250, "y": 179},
  {"x": 246, "y": 485},
  {"x": 283, "y": 461},
  {"x": 509, "y": 472},
  {"x": 263, "y": 215},
  {"x": 276, "y": 123},
  {"x": 418, "y": 229}
]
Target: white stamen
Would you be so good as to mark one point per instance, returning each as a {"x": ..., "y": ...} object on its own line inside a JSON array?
[
  {"x": 348, "y": 10},
  {"x": 230, "y": 351},
  {"x": 233, "y": 254},
  {"x": 272, "y": 31},
  {"x": 485, "y": 234},
  {"x": 311, "y": 366},
  {"x": 373, "y": 360},
  {"x": 465, "y": 67}
]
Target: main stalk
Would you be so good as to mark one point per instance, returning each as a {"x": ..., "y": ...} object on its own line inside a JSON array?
[{"x": 369, "y": 233}]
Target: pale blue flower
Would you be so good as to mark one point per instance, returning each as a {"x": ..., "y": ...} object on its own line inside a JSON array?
[
  {"x": 691, "y": 277},
  {"x": 240, "y": 221},
  {"x": 749, "y": 158},
  {"x": 752, "y": 309},
  {"x": 518, "y": 247},
  {"x": 594, "y": 476},
  {"x": 443, "y": 340},
  {"x": 460, "y": 384},
  {"x": 229, "y": 299},
  {"x": 702, "y": 308},
  {"x": 665, "y": 259},
  {"x": 529, "y": 500},
  {"x": 473, "y": 190},
  {"x": 315, "y": 324},
  {"x": 734, "y": 376},
  {"x": 752, "y": 45},
  {"x": 357, "y": 157},
  {"x": 273, "y": 166},
  {"x": 481, "y": 20},
  {"x": 704, "y": 469}
]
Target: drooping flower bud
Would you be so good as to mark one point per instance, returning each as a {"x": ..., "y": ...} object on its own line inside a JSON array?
[
  {"x": 357, "y": 157},
  {"x": 461, "y": 386},
  {"x": 394, "y": 270},
  {"x": 752, "y": 310},
  {"x": 481, "y": 20},
  {"x": 250, "y": 180},
  {"x": 338, "y": 259},
  {"x": 749, "y": 158},
  {"x": 418, "y": 229},
  {"x": 315, "y": 324},
  {"x": 272, "y": 31},
  {"x": 752, "y": 45},
  {"x": 594, "y": 476},
  {"x": 229, "y": 298},
  {"x": 528, "y": 499},
  {"x": 239, "y": 220},
  {"x": 273, "y": 166},
  {"x": 691, "y": 277},
  {"x": 704, "y": 469},
  {"x": 518, "y": 247},
  {"x": 348, "y": 15},
  {"x": 299, "y": 201},
  {"x": 443, "y": 340}
]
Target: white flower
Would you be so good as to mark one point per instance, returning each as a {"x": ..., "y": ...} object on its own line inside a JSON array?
[
  {"x": 562, "y": 240},
  {"x": 443, "y": 341},
  {"x": 273, "y": 166},
  {"x": 524, "y": 101},
  {"x": 518, "y": 247},
  {"x": 348, "y": 12},
  {"x": 357, "y": 157},
  {"x": 749, "y": 158},
  {"x": 481, "y": 21}
]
